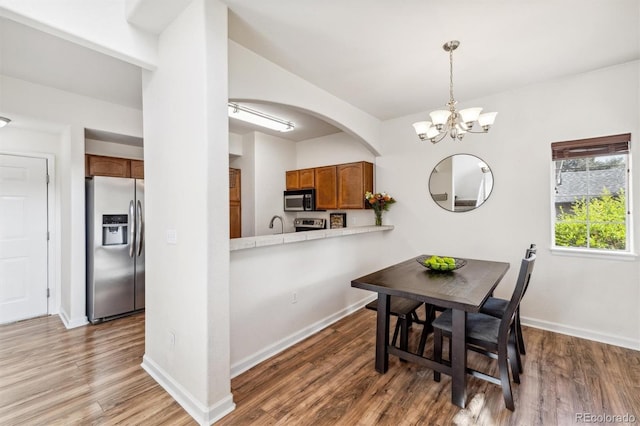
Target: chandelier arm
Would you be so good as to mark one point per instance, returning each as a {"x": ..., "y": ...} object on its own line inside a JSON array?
[{"x": 440, "y": 137}]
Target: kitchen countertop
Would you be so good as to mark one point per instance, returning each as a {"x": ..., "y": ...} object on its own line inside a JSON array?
[{"x": 294, "y": 237}]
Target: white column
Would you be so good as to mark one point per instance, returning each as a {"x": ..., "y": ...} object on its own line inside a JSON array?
[{"x": 186, "y": 195}]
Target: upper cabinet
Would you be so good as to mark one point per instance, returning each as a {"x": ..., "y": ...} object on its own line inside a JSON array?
[
  {"x": 354, "y": 179},
  {"x": 293, "y": 179},
  {"x": 234, "y": 184},
  {"x": 341, "y": 186},
  {"x": 307, "y": 178},
  {"x": 326, "y": 185},
  {"x": 98, "y": 165},
  {"x": 300, "y": 179},
  {"x": 137, "y": 169},
  {"x": 235, "y": 209}
]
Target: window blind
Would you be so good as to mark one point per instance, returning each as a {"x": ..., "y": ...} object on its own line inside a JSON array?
[{"x": 605, "y": 145}]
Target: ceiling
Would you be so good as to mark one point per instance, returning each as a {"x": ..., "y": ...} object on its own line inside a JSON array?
[
  {"x": 32, "y": 55},
  {"x": 386, "y": 57},
  {"x": 383, "y": 57}
]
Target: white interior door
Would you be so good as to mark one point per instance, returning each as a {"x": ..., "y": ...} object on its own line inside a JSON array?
[{"x": 23, "y": 237}]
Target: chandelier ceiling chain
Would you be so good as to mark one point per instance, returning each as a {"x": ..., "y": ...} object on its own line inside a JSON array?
[
  {"x": 451, "y": 47},
  {"x": 453, "y": 122}
]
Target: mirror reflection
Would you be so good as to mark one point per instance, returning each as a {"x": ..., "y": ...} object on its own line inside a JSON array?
[{"x": 461, "y": 182}]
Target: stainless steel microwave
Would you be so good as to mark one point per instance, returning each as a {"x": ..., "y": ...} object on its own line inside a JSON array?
[{"x": 302, "y": 200}]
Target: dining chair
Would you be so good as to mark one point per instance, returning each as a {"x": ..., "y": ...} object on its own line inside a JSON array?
[
  {"x": 490, "y": 336},
  {"x": 496, "y": 307},
  {"x": 406, "y": 310}
]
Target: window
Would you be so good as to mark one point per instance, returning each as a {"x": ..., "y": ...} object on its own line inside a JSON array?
[{"x": 591, "y": 197}]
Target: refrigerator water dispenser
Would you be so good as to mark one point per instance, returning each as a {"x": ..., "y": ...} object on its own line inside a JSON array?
[{"x": 114, "y": 229}]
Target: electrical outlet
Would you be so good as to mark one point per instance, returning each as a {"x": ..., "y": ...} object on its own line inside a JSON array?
[
  {"x": 353, "y": 221},
  {"x": 294, "y": 297},
  {"x": 172, "y": 339}
]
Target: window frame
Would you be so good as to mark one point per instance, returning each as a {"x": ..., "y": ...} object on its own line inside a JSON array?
[{"x": 599, "y": 147}]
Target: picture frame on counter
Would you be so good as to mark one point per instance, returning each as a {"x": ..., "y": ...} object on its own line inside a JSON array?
[{"x": 337, "y": 220}]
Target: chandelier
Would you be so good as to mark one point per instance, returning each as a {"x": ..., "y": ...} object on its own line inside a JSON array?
[{"x": 451, "y": 121}]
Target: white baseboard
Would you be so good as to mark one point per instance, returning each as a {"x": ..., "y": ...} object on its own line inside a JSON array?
[
  {"x": 203, "y": 415},
  {"x": 72, "y": 323},
  {"x": 271, "y": 350},
  {"x": 582, "y": 333}
]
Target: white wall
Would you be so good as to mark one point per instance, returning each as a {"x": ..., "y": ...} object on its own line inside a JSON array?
[
  {"x": 273, "y": 157},
  {"x": 34, "y": 107},
  {"x": 235, "y": 144},
  {"x": 248, "y": 73},
  {"x": 98, "y": 25},
  {"x": 264, "y": 162},
  {"x": 186, "y": 188},
  {"x": 263, "y": 280},
  {"x": 112, "y": 149},
  {"x": 571, "y": 294},
  {"x": 331, "y": 149}
]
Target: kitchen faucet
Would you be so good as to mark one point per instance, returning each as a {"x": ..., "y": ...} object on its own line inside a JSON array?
[{"x": 281, "y": 223}]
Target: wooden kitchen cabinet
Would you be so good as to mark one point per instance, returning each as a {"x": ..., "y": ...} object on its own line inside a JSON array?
[
  {"x": 98, "y": 165},
  {"x": 293, "y": 179},
  {"x": 354, "y": 179},
  {"x": 326, "y": 186},
  {"x": 307, "y": 178},
  {"x": 235, "y": 206},
  {"x": 340, "y": 186},
  {"x": 137, "y": 169},
  {"x": 235, "y": 220},
  {"x": 300, "y": 179}
]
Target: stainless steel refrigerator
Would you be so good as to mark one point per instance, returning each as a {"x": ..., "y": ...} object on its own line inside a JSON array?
[{"x": 115, "y": 247}]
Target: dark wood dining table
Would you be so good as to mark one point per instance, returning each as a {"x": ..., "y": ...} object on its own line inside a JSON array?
[{"x": 463, "y": 290}]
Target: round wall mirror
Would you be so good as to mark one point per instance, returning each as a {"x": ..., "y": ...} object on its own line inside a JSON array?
[{"x": 461, "y": 182}]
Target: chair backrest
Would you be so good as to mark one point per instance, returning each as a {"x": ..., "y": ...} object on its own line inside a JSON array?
[
  {"x": 526, "y": 269},
  {"x": 531, "y": 250}
]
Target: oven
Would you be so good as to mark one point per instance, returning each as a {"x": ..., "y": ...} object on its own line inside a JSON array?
[{"x": 309, "y": 224}]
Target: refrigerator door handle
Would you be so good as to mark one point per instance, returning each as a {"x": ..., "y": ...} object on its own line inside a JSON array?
[
  {"x": 139, "y": 228},
  {"x": 132, "y": 228}
]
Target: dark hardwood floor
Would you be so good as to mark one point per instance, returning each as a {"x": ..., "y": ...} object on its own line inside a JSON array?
[{"x": 92, "y": 375}]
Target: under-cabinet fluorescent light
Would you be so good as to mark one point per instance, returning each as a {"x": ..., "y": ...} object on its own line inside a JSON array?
[
  {"x": 258, "y": 118},
  {"x": 4, "y": 121}
]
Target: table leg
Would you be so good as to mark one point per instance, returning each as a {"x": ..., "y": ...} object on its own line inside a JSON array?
[
  {"x": 459, "y": 358},
  {"x": 382, "y": 333}
]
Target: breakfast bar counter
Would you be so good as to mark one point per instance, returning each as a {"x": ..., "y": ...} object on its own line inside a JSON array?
[{"x": 295, "y": 237}]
